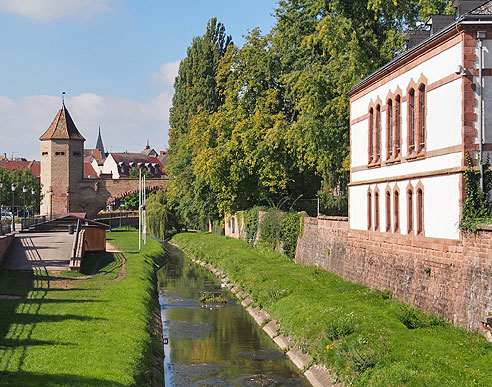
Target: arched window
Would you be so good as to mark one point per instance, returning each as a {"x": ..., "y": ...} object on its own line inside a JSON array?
[
  {"x": 376, "y": 211},
  {"x": 422, "y": 117},
  {"x": 397, "y": 125},
  {"x": 370, "y": 130},
  {"x": 388, "y": 211},
  {"x": 369, "y": 211},
  {"x": 378, "y": 133},
  {"x": 411, "y": 120},
  {"x": 420, "y": 211},
  {"x": 396, "y": 210},
  {"x": 389, "y": 129},
  {"x": 409, "y": 211}
]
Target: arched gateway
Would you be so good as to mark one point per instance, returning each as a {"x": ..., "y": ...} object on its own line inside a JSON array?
[{"x": 64, "y": 188}]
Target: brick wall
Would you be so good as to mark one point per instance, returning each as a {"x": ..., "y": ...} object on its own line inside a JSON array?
[
  {"x": 449, "y": 278},
  {"x": 5, "y": 241}
]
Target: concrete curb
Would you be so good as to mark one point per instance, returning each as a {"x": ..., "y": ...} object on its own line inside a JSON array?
[{"x": 317, "y": 375}]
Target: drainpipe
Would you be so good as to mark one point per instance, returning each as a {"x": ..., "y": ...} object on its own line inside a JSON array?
[{"x": 480, "y": 37}]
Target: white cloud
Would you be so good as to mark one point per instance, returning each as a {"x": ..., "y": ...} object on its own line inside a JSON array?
[
  {"x": 167, "y": 73},
  {"x": 125, "y": 124},
  {"x": 48, "y": 10}
]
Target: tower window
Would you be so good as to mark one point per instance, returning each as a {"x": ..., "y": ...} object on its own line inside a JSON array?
[
  {"x": 378, "y": 132},
  {"x": 422, "y": 117},
  {"x": 59, "y": 153},
  {"x": 76, "y": 153}
]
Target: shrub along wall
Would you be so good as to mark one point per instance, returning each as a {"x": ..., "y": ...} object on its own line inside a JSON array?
[
  {"x": 268, "y": 227},
  {"x": 447, "y": 277}
]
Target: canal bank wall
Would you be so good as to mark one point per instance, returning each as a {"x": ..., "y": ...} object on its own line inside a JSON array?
[{"x": 316, "y": 374}]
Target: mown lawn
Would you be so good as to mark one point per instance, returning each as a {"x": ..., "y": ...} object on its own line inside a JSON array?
[
  {"x": 69, "y": 329},
  {"x": 363, "y": 336}
]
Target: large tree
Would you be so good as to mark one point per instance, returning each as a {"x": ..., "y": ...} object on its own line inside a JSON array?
[{"x": 195, "y": 90}]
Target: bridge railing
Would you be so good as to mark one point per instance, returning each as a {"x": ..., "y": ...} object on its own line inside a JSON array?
[{"x": 27, "y": 223}]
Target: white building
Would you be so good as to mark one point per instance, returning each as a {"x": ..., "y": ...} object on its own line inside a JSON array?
[{"x": 412, "y": 123}]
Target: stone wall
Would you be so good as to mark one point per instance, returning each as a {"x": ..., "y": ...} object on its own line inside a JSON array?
[
  {"x": 5, "y": 241},
  {"x": 93, "y": 195},
  {"x": 452, "y": 278}
]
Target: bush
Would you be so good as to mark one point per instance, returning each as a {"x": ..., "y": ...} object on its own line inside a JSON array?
[
  {"x": 415, "y": 319},
  {"x": 340, "y": 327},
  {"x": 251, "y": 224},
  {"x": 290, "y": 233},
  {"x": 271, "y": 228}
]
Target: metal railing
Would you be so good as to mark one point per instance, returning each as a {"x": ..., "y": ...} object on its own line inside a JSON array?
[{"x": 27, "y": 223}]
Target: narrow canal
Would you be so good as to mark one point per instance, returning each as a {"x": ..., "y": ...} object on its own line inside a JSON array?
[{"x": 214, "y": 343}]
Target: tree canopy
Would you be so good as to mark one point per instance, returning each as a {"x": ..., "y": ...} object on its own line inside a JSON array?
[{"x": 256, "y": 124}]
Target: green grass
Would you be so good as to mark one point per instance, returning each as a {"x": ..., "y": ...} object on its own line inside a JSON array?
[
  {"x": 68, "y": 329},
  {"x": 364, "y": 337}
]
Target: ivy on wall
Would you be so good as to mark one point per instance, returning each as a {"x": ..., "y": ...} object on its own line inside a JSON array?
[{"x": 477, "y": 204}]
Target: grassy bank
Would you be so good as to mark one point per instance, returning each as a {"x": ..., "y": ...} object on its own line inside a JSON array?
[
  {"x": 363, "y": 336},
  {"x": 71, "y": 329}
]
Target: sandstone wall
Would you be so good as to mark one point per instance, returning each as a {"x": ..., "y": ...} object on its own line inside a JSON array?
[
  {"x": 5, "y": 241},
  {"x": 448, "y": 277}
]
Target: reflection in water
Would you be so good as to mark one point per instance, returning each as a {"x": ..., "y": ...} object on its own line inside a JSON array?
[{"x": 214, "y": 345}]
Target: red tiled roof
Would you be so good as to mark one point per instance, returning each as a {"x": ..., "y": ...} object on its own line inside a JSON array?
[
  {"x": 34, "y": 166},
  {"x": 62, "y": 128},
  {"x": 131, "y": 158},
  {"x": 88, "y": 170}
]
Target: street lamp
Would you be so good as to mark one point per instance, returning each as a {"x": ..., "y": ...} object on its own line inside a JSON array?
[
  {"x": 13, "y": 217},
  {"x": 33, "y": 192},
  {"x": 51, "y": 204},
  {"x": 24, "y": 190}
]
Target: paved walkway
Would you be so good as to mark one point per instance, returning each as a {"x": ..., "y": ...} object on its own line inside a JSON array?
[{"x": 30, "y": 251}]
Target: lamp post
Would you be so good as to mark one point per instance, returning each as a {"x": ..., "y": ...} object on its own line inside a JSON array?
[
  {"x": 51, "y": 204},
  {"x": 24, "y": 190},
  {"x": 13, "y": 217},
  {"x": 33, "y": 192}
]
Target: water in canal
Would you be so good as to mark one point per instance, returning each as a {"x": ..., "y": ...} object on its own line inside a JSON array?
[{"x": 214, "y": 344}]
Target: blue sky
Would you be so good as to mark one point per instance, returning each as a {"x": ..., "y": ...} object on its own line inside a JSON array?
[{"x": 115, "y": 59}]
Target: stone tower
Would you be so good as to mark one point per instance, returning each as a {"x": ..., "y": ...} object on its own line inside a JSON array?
[{"x": 62, "y": 164}]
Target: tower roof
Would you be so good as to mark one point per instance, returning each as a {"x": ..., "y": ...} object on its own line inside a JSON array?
[
  {"x": 62, "y": 128},
  {"x": 99, "y": 144}
]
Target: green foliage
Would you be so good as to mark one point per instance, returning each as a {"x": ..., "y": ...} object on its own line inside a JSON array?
[
  {"x": 21, "y": 178},
  {"x": 477, "y": 205},
  {"x": 271, "y": 228},
  {"x": 291, "y": 228},
  {"x": 305, "y": 299},
  {"x": 162, "y": 219},
  {"x": 251, "y": 220},
  {"x": 135, "y": 173},
  {"x": 413, "y": 318},
  {"x": 340, "y": 326},
  {"x": 333, "y": 205}
]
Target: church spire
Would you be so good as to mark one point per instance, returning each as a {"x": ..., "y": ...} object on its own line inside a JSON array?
[{"x": 99, "y": 144}]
